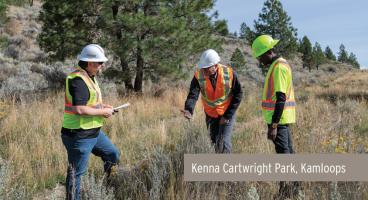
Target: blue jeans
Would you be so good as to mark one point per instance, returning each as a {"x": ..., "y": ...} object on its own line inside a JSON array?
[
  {"x": 220, "y": 134},
  {"x": 79, "y": 151}
]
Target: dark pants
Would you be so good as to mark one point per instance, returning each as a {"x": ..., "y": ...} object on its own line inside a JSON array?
[
  {"x": 283, "y": 142},
  {"x": 284, "y": 145},
  {"x": 220, "y": 134}
]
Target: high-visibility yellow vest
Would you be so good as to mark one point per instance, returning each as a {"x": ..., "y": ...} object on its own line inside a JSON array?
[
  {"x": 215, "y": 102},
  {"x": 71, "y": 119},
  {"x": 278, "y": 79}
]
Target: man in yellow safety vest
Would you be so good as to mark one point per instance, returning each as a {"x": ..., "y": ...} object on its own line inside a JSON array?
[
  {"x": 278, "y": 102},
  {"x": 83, "y": 118}
]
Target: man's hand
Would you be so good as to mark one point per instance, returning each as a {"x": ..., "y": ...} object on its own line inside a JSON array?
[
  {"x": 109, "y": 106},
  {"x": 187, "y": 114},
  {"x": 271, "y": 133},
  {"x": 108, "y": 112},
  {"x": 224, "y": 121}
]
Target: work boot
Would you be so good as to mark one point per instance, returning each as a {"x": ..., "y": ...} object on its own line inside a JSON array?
[
  {"x": 111, "y": 171},
  {"x": 70, "y": 185}
]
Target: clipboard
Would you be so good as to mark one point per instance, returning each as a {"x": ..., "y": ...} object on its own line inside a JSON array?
[{"x": 121, "y": 106}]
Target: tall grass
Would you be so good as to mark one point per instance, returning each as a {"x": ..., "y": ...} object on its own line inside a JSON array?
[{"x": 153, "y": 136}]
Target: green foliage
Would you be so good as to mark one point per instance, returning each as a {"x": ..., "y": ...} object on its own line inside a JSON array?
[
  {"x": 318, "y": 55},
  {"x": 305, "y": 47},
  {"x": 17, "y": 2},
  {"x": 3, "y": 4},
  {"x": 4, "y": 42},
  {"x": 353, "y": 60},
  {"x": 153, "y": 38},
  {"x": 342, "y": 54},
  {"x": 274, "y": 21},
  {"x": 67, "y": 27},
  {"x": 247, "y": 33},
  {"x": 329, "y": 54},
  {"x": 220, "y": 27},
  {"x": 344, "y": 58},
  {"x": 237, "y": 60}
]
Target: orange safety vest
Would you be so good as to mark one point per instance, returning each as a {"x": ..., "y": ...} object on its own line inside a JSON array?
[{"x": 215, "y": 102}]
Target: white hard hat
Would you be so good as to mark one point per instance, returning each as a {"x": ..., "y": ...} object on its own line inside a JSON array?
[
  {"x": 92, "y": 53},
  {"x": 208, "y": 58}
]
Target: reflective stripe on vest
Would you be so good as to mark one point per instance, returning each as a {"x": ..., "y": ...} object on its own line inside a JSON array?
[
  {"x": 69, "y": 108},
  {"x": 216, "y": 101},
  {"x": 268, "y": 103},
  {"x": 72, "y": 120},
  {"x": 271, "y": 105}
]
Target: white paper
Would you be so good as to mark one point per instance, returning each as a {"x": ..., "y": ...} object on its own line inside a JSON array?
[{"x": 122, "y": 106}]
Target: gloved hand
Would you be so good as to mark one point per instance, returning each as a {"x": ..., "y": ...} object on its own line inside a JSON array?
[{"x": 271, "y": 133}]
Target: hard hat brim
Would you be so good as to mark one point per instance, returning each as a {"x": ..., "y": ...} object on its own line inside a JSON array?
[
  {"x": 201, "y": 66},
  {"x": 262, "y": 52},
  {"x": 204, "y": 67},
  {"x": 93, "y": 60}
]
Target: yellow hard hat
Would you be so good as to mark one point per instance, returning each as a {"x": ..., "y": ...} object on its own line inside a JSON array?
[{"x": 262, "y": 44}]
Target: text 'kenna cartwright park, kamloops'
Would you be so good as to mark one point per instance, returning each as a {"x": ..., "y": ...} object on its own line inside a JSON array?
[{"x": 268, "y": 168}]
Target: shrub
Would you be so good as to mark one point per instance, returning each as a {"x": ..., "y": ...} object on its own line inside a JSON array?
[
  {"x": 24, "y": 82},
  {"x": 9, "y": 190},
  {"x": 7, "y": 70},
  {"x": 92, "y": 189},
  {"x": 55, "y": 75}
]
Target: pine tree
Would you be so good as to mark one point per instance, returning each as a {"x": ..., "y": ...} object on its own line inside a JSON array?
[
  {"x": 300, "y": 45},
  {"x": 247, "y": 33},
  {"x": 67, "y": 27},
  {"x": 305, "y": 48},
  {"x": 151, "y": 38},
  {"x": 318, "y": 55},
  {"x": 274, "y": 21},
  {"x": 342, "y": 54},
  {"x": 353, "y": 60},
  {"x": 220, "y": 27},
  {"x": 329, "y": 54},
  {"x": 237, "y": 59}
]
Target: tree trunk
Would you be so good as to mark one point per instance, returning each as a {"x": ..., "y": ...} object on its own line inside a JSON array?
[
  {"x": 139, "y": 73},
  {"x": 127, "y": 78}
]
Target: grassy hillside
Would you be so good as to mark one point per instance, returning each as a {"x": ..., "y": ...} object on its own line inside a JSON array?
[{"x": 332, "y": 117}]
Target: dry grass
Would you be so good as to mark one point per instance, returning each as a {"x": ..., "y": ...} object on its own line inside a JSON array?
[
  {"x": 153, "y": 129},
  {"x": 332, "y": 118},
  {"x": 352, "y": 85}
]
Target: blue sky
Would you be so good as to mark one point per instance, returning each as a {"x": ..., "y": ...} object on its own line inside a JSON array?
[{"x": 328, "y": 22}]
